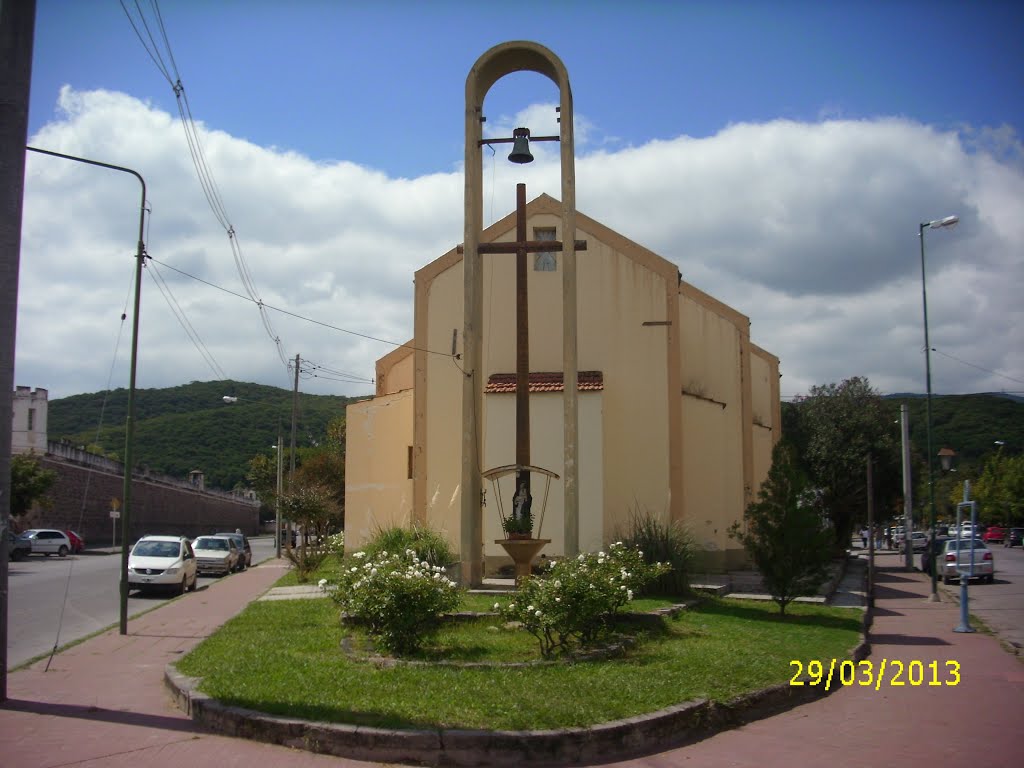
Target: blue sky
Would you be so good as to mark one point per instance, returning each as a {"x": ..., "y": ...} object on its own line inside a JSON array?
[
  {"x": 781, "y": 153},
  {"x": 381, "y": 83}
]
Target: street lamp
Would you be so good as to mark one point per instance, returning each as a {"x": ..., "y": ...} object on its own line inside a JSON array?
[
  {"x": 129, "y": 427},
  {"x": 949, "y": 221}
]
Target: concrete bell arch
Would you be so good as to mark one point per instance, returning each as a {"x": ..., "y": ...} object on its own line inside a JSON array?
[{"x": 501, "y": 60}]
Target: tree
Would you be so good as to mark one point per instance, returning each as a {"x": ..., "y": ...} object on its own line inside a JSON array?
[
  {"x": 29, "y": 481},
  {"x": 313, "y": 507},
  {"x": 784, "y": 532},
  {"x": 1000, "y": 489},
  {"x": 834, "y": 429},
  {"x": 262, "y": 476}
]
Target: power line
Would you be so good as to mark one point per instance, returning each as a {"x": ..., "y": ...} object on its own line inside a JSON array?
[
  {"x": 302, "y": 317},
  {"x": 978, "y": 367},
  {"x": 199, "y": 161},
  {"x": 186, "y": 325}
]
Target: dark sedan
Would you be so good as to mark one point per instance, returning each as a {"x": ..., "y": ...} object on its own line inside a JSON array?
[
  {"x": 17, "y": 548},
  {"x": 1013, "y": 537},
  {"x": 932, "y": 550}
]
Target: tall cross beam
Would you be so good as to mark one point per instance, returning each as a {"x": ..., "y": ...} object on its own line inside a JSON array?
[{"x": 521, "y": 247}]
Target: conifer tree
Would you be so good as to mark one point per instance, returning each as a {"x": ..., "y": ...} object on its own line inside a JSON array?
[{"x": 785, "y": 533}]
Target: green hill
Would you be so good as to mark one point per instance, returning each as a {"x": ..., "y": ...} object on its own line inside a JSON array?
[
  {"x": 179, "y": 429},
  {"x": 969, "y": 424}
]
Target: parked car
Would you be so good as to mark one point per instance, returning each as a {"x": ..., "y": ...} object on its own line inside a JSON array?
[
  {"x": 77, "y": 542},
  {"x": 244, "y": 549},
  {"x": 994, "y": 534},
  {"x": 953, "y": 560},
  {"x": 930, "y": 553},
  {"x": 17, "y": 547},
  {"x": 897, "y": 537},
  {"x": 918, "y": 541},
  {"x": 1014, "y": 538},
  {"x": 162, "y": 561},
  {"x": 215, "y": 554},
  {"x": 47, "y": 541}
]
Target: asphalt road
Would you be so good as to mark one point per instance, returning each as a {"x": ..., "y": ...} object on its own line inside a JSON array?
[{"x": 39, "y": 618}]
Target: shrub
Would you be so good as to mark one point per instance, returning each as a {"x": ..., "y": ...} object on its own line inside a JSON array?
[
  {"x": 335, "y": 544},
  {"x": 306, "y": 560},
  {"x": 399, "y": 597},
  {"x": 428, "y": 544},
  {"x": 665, "y": 543},
  {"x": 572, "y": 604},
  {"x": 785, "y": 534}
]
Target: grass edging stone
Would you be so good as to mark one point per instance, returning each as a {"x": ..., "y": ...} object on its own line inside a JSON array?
[{"x": 669, "y": 728}]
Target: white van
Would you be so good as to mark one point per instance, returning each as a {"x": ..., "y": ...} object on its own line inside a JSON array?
[{"x": 162, "y": 562}]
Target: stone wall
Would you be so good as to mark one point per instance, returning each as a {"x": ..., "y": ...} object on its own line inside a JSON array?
[{"x": 81, "y": 500}]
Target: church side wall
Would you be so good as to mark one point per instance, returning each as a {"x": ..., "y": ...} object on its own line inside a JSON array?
[
  {"x": 713, "y": 429},
  {"x": 395, "y": 371},
  {"x": 617, "y": 296},
  {"x": 441, "y": 460},
  {"x": 378, "y": 489},
  {"x": 766, "y": 426}
]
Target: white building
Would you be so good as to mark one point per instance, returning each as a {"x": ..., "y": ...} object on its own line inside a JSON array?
[{"x": 29, "y": 422}]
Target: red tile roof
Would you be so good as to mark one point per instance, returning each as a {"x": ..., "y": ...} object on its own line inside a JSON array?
[{"x": 547, "y": 381}]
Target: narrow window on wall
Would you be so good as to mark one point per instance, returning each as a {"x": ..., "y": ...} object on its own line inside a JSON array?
[
  {"x": 31, "y": 419},
  {"x": 409, "y": 463},
  {"x": 545, "y": 261}
]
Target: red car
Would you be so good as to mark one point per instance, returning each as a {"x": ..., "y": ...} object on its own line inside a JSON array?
[
  {"x": 994, "y": 533},
  {"x": 78, "y": 543}
]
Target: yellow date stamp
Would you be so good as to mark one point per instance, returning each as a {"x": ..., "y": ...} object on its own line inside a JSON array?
[{"x": 888, "y": 672}]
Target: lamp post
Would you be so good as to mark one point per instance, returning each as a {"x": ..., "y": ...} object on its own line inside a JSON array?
[
  {"x": 949, "y": 221},
  {"x": 129, "y": 430}
]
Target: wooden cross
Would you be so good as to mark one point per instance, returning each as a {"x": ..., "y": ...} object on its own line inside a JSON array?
[{"x": 520, "y": 248}]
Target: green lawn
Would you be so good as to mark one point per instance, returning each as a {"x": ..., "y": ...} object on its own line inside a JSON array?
[{"x": 284, "y": 657}]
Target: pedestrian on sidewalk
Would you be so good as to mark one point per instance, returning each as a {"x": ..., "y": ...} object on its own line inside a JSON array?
[{"x": 864, "y": 537}]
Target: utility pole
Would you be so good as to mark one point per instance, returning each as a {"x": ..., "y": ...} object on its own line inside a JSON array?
[
  {"x": 295, "y": 414},
  {"x": 17, "y": 29},
  {"x": 277, "y": 498},
  {"x": 871, "y": 535},
  {"x": 908, "y": 501}
]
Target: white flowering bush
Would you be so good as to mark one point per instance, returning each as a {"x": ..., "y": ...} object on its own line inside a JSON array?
[
  {"x": 398, "y": 596},
  {"x": 572, "y": 604},
  {"x": 335, "y": 543}
]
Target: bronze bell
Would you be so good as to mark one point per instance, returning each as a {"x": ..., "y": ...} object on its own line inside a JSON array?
[{"x": 521, "y": 146}]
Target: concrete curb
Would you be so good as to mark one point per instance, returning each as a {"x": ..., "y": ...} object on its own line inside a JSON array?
[{"x": 637, "y": 736}]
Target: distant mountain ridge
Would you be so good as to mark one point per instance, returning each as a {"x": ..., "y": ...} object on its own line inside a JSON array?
[
  {"x": 969, "y": 424},
  {"x": 188, "y": 427},
  {"x": 179, "y": 429},
  {"x": 905, "y": 395}
]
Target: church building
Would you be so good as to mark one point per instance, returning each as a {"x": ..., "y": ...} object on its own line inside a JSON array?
[{"x": 678, "y": 409}]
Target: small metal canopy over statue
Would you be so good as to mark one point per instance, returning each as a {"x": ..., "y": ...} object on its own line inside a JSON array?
[{"x": 520, "y": 542}]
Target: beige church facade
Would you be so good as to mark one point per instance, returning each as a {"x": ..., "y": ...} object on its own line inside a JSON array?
[{"x": 678, "y": 410}]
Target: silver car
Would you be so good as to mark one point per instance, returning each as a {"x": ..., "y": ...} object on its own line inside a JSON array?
[
  {"x": 956, "y": 556},
  {"x": 215, "y": 554}
]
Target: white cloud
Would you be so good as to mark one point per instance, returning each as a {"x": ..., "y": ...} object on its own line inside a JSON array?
[{"x": 809, "y": 229}]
